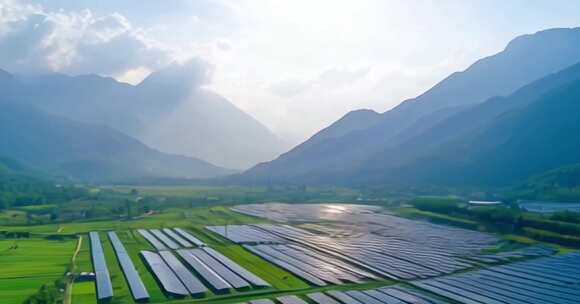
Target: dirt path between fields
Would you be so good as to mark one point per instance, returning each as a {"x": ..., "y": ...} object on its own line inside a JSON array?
[{"x": 69, "y": 285}]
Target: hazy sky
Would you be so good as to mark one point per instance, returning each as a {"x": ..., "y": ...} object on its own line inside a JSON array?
[{"x": 294, "y": 65}]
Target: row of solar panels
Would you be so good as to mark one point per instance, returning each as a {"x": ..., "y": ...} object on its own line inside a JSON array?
[
  {"x": 103, "y": 279},
  {"x": 204, "y": 268},
  {"x": 394, "y": 257},
  {"x": 386, "y": 295},
  {"x": 163, "y": 239},
  {"x": 550, "y": 280},
  {"x": 131, "y": 275},
  {"x": 507, "y": 256},
  {"x": 316, "y": 268}
]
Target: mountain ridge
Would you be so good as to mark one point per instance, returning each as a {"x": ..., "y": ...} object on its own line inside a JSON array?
[
  {"x": 228, "y": 137},
  {"x": 87, "y": 152},
  {"x": 524, "y": 60}
]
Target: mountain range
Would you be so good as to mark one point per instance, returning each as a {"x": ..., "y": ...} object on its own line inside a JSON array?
[
  {"x": 486, "y": 125},
  {"x": 169, "y": 111},
  {"x": 87, "y": 152}
]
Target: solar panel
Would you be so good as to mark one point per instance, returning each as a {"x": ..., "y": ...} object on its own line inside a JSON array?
[
  {"x": 103, "y": 279},
  {"x": 152, "y": 240},
  {"x": 363, "y": 298},
  {"x": 192, "y": 284},
  {"x": 131, "y": 275},
  {"x": 233, "y": 266},
  {"x": 457, "y": 297},
  {"x": 264, "y": 301},
  {"x": 343, "y": 297},
  {"x": 177, "y": 238},
  {"x": 213, "y": 279},
  {"x": 232, "y": 278},
  {"x": 163, "y": 238},
  {"x": 321, "y": 298},
  {"x": 383, "y": 297},
  {"x": 320, "y": 273},
  {"x": 290, "y": 300},
  {"x": 165, "y": 276},
  {"x": 399, "y": 294},
  {"x": 190, "y": 237},
  {"x": 291, "y": 268}
]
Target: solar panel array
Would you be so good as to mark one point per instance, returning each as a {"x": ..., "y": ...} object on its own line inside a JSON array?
[
  {"x": 246, "y": 234},
  {"x": 229, "y": 276},
  {"x": 103, "y": 279},
  {"x": 265, "y": 301},
  {"x": 168, "y": 280},
  {"x": 183, "y": 242},
  {"x": 361, "y": 243},
  {"x": 189, "y": 237},
  {"x": 193, "y": 285},
  {"x": 131, "y": 275},
  {"x": 324, "y": 257},
  {"x": 307, "y": 263},
  {"x": 152, "y": 240},
  {"x": 522, "y": 253},
  {"x": 216, "y": 282},
  {"x": 242, "y": 272},
  {"x": 550, "y": 280},
  {"x": 290, "y": 300},
  {"x": 166, "y": 238},
  {"x": 218, "y": 272},
  {"x": 385, "y": 295},
  {"x": 320, "y": 298},
  {"x": 214, "y": 269}
]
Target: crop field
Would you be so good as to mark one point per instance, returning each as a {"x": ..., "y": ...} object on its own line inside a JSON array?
[
  {"x": 198, "y": 217},
  {"x": 27, "y": 264}
]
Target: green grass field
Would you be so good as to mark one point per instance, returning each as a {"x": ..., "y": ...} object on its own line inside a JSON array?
[
  {"x": 197, "y": 217},
  {"x": 27, "y": 264},
  {"x": 12, "y": 217},
  {"x": 16, "y": 290},
  {"x": 84, "y": 292}
]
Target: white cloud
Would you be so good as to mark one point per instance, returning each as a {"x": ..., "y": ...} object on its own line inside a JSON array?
[{"x": 74, "y": 42}]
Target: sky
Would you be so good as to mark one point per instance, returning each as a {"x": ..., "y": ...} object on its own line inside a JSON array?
[{"x": 296, "y": 66}]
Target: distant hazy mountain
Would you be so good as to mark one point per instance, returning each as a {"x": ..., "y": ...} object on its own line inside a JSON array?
[
  {"x": 86, "y": 151},
  {"x": 524, "y": 60},
  {"x": 12, "y": 166},
  {"x": 565, "y": 177},
  {"x": 169, "y": 111},
  {"x": 204, "y": 124}
]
